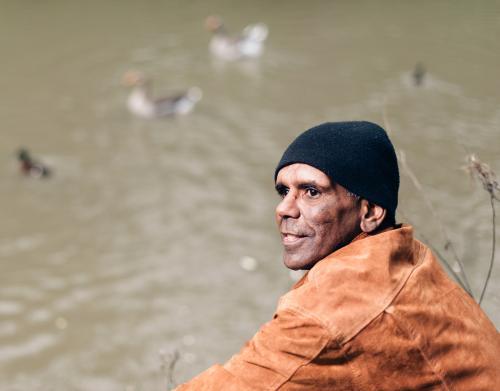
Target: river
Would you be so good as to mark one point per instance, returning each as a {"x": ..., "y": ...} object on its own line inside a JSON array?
[{"x": 156, "y": 236}]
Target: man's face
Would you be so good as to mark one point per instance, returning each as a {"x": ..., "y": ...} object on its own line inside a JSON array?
[{"x": 315, "y": 216}]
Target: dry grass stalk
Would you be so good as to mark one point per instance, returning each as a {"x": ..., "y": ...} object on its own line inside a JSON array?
[
  {"x": 457, "y": 269},
  {"x": 485, "y": 175},
  {"x": 168, "y": 367}
]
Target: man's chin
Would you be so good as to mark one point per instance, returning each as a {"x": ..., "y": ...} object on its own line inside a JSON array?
[{"x": 293, "y": 263}]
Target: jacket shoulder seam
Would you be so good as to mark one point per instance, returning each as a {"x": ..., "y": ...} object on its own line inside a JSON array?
[
  {"x": 388, "y": 300},
  {"x": 307, "y": 314}
]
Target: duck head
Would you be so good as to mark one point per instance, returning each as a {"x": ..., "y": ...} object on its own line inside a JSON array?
[
  {"x": 23, "y": 155},
  {"x": 214, "y": 24},
  {"x": 134, "y": 78}
]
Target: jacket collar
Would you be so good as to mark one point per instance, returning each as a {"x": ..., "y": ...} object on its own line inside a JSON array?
[
  {"x": 362, "y": 235},
  {"x": 351, "y": 286}
]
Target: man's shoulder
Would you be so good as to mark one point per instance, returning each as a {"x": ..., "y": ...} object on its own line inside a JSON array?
[{"x": 351, "y": 287}]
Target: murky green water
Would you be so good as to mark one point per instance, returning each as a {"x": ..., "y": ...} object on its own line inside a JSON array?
[{"x": 135, "y": 246}]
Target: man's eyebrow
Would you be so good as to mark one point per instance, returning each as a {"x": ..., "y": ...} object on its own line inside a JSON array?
[
  {"x": 302, "y": 186},
  {"x": 279, "y": 186},
  {"x": 307, "y": 185}
]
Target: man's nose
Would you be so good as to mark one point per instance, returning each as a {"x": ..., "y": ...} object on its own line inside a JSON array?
[{"x": 288, "y": 207}]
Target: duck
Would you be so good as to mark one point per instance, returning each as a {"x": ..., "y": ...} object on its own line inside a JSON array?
[
  {"x": 30, "y": 167},
  {"x": 418, "y": 74},
  {"x": 141, "y": 103},
  {"x": 249, "y": 44}
]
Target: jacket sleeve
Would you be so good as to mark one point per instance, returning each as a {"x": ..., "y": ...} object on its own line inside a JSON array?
[{"x": 288, "y": 342}]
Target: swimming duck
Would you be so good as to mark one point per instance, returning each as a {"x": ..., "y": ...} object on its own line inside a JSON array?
[
  {"x": 418, "y": 74},
  {"x": 141, "y": 103},
  {"x": 249, "y": 44},
  {"x": 30, "y": 167}
]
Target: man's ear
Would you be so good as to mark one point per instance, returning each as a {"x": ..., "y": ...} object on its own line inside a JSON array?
[{"x": 372, "y": 216}]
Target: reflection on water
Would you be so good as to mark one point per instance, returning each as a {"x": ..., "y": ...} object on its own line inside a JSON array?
[{"x": 156, "y": 235}]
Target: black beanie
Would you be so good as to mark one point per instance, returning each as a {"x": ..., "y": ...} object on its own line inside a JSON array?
[{"x": 357, "y": 155}]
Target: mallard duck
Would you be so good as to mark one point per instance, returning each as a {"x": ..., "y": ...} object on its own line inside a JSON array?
[
  {"x": 141, "y": 103},
  {"x": 249, "y": 44},
  {"x": 30, "y": 167}
]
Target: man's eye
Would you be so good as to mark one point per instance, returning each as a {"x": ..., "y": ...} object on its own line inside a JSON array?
[
  {"x": 282, "y": 191},
  {"x": 312, "y": 192}
]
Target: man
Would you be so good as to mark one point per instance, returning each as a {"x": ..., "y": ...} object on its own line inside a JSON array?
[{"x": 375, "y": 311}]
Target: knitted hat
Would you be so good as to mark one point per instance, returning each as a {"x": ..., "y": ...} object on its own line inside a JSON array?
[{"x": 357, "y": 155}]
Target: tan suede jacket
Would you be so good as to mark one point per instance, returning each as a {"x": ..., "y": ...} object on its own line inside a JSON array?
[{"x": 378, "y": 314}]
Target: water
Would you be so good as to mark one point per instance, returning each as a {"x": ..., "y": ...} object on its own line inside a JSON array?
[{"x": 140, "y": 243}]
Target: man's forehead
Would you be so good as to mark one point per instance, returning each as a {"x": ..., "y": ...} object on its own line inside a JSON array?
[{"x": 303, "y": 173}]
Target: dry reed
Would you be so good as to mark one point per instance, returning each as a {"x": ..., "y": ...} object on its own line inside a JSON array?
[
  {"x": 167, "y": 366},
  {"x": 457, "y": 269},
  {"x": 486, "y": 176}
]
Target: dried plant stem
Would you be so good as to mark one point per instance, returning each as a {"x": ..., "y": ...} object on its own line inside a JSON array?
[
  {"x": 492, "y": 260},
  {"x": 168, "y": 366},
  {"x": 171, "y": 383},
  {"x": 461, "y": 277},
  {"x": 487, "y": 177},
  {"x": 444, "y": 260},
  {"x": 482, "y": 172}
]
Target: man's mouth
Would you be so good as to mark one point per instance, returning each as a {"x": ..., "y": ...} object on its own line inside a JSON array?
[{"x": 291, "y": 238}]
